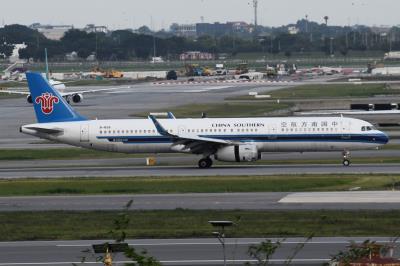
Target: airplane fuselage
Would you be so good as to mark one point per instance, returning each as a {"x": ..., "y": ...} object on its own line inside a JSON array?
[{"x": 292, "y": 134}]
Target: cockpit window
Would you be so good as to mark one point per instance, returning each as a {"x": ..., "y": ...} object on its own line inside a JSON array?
[{"x": 368, "y": 128}]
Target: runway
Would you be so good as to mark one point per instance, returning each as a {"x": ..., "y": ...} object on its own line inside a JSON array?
[
  {"x": 177, "y": 251},
  {"x": 355, "y": 200},
  {"x": 231, "y": 170}
]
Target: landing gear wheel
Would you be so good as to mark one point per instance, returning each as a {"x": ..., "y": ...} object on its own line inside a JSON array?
[
  {"x": 346, "y": 158},
  {"x": 346, "y": 162},
  {"x": 205, "y": 163}
]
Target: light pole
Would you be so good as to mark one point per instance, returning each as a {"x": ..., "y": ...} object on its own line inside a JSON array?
[{"x": 220, "y": 234}]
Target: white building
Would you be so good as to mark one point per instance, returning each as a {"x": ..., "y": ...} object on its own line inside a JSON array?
[
  {"x": 196, "y": 55},
  {"x": 91, "y": 28},
  {"x": 52, "y": 32},
  {"x": 14, "y": 58},
  {"x": 185, "y": 30},
  {"x": 293, "y": 30}
]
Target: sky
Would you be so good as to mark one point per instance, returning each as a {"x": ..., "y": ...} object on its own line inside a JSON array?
[{"x": 158, "y": 14}]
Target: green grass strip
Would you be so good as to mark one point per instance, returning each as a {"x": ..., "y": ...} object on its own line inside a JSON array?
[
  {"x": 163, "y": 185},
  {"x": 17, "y": 226}
]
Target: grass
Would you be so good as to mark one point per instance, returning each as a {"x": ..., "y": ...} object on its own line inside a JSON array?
[
  {"x": 330, "y": 91},
  {"x": 334, "y": 91},
  {"x": 17, "y": 226},
  {"x": 158, "y": 185},
  {"x": 226, "y": 109}
]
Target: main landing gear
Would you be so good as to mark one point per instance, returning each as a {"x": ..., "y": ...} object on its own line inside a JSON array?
[
  {"x": 205, "y": 163},
  {"x": 346, "y": 158}
]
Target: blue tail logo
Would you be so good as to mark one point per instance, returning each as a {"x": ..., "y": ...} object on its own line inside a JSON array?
[{"x": 48, "y": 103}]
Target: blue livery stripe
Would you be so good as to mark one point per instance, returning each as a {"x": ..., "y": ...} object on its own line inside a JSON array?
[{"x": 362, "y": 138}]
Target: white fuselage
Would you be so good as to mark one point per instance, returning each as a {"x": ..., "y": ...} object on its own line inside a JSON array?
[{"x": 294, "y": 134}]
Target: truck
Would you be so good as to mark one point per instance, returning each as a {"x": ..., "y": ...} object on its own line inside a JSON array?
[
  {"x": 242, "y": 69},
  {"x": 220, "y": 70},
  {"x": 392, "y": 56}
]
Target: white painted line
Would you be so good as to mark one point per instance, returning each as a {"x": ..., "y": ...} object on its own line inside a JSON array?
[
  {"x": 343, "y": 197},
  {"x": 228, "y": 243}
]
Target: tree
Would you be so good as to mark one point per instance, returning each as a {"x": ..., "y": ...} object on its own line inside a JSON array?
[
  {"x": 263, "y": 252},
  {"x": 121, "y": 223},
  {"x": 326, "y": 18},
  {"x": 144, "y": 30}
]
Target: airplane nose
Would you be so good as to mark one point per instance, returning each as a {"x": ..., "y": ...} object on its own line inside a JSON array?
[{"x": 384, "y": 137}]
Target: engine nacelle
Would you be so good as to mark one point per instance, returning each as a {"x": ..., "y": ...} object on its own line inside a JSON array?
[
  {"x": 238, "y": 153},
  {"x": 29, "y": 98},
  {"x": 77, "y": 98}
]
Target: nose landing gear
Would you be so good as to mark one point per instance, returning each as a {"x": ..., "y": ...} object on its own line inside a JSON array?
[
  {"x": 346, "y": 158},
  {"x": 205, "y": 163}
]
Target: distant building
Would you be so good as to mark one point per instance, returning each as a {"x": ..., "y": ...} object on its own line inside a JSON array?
[
  {"x": 52, "y": 32},
  {"x": 196, "y": 55},
  {"x": 91, "y": 28},
  {"x": 293, "y": 30},
  {"x": 240, "y": 27},
  {"x": 383, "y": 31},
  {"x": 184, "y": 30},
  {"x": 216, "y": 29},
  {"x": 73, "y": 56}
]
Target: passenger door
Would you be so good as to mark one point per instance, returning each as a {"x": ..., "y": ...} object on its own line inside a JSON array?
[{"x": 85, "y": 133}]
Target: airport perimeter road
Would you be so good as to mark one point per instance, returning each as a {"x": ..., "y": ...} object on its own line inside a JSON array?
[
  {"x": 357, "y": 200},
  {"x": 238, "y": 170},
  {"x": 175, "y": 251}
]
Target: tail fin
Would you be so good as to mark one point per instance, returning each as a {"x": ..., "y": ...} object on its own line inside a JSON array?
[{"x": 48, "y": 103}]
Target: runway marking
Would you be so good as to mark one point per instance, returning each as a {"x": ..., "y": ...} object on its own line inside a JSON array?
[
  {"x": 343, "y": 197},
  {"x": 163, "y": 262}
]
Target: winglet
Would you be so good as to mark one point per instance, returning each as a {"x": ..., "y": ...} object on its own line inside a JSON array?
[
  {"x": 160, "y": 129},
  {"x": 170, "y": 115}
]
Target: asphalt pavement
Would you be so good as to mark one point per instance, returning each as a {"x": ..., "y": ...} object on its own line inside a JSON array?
[
  {"x": 354, "y": 200},
  {"x": 231, "y": 170},
  {"x": 178, "y": 251}
]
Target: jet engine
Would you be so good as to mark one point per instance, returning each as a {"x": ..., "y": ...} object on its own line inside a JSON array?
[
  {"x": 238, "y": 153},
  {"x": 29, "y": 98},
  {"x": 77, "y": 98}
]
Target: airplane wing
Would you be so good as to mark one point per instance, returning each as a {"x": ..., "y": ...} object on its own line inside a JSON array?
[
  {"x": 15, "y": 92},
  {"x": 91, "y": 91},
  {"x": 192, "y": 143}
]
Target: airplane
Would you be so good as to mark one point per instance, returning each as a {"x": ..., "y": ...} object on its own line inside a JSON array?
[
  {"x": 225, "y": 139},
  {"x": 73, "y": 96}
]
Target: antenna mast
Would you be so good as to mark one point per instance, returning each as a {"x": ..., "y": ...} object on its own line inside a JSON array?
[{"x": 255, "y": 5}]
